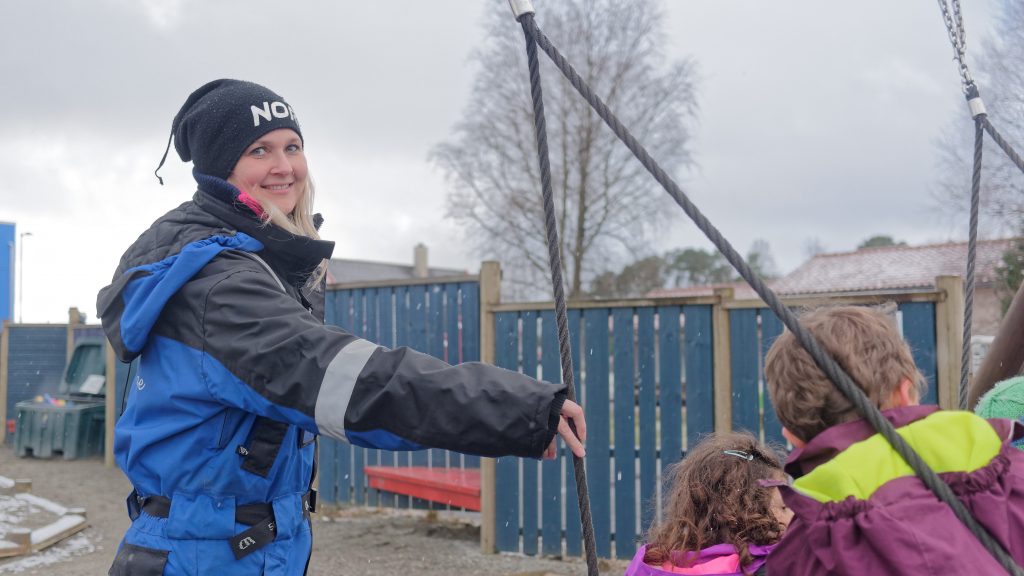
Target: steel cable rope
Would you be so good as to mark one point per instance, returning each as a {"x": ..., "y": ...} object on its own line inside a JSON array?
[
  {"x": 555, "y": 261},
  {"x": 839, "y": 377},
  {"x": 958, "y": 39},
  {"x": 972, "y": 254}
]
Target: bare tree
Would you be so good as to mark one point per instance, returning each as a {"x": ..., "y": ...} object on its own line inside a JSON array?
[
  {"x": 1000, "y": 78},
  {"x": 607, "y": 207},
  {"x": 813, "y": 246}
]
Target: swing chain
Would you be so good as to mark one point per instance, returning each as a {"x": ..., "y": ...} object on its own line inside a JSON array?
[{"x": 958, "y": 38}]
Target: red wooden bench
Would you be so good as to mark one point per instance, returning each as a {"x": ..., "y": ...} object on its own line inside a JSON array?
[{"x": 452, "y": 486}]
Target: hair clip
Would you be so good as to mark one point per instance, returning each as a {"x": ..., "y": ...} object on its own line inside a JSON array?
[
  {"x": 772, "y": 483},
  {"x": 739, "y": 454}
]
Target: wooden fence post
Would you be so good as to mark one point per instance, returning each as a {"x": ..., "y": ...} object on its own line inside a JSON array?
[
  {"x": 4, "y": 341},
  {"x": 110, "y": 405},
  {"x": 721, "y": 352},
  {"x": 949, "y": 327},
  {"x": 490, "y": 295},
  {"x": 74, "y": 320}
]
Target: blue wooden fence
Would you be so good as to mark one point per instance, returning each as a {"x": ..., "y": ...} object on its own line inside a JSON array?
[
  {"x": 645, "y": 376},
  {"x": 442, "y": 319}
]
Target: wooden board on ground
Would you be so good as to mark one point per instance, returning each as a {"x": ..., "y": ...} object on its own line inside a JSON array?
[{"x": 36, "y": 535}]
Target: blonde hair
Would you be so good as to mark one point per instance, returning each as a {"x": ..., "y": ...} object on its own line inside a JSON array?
[
  {"x": 300, "y": 223},
  {"x": 865, "y": 343}
]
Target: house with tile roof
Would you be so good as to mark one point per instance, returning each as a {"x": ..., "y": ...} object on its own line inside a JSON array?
[
  {"x": 903, "y": 268},
  {"x": 350, "y": 271},
  {"x": 884, "y": 269}
]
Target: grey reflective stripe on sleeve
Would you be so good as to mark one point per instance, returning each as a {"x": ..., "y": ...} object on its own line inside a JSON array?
[{"x": 336, "y": 389}]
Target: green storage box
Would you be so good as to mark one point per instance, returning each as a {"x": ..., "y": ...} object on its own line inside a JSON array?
[
  {"x": 73, "y": 431},
  {"x": 71, "y": 424}
]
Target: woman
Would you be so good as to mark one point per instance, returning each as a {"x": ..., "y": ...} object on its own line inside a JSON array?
[{"x": 221, "y": 301}]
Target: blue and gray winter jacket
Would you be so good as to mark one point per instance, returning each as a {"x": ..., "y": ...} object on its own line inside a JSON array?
[{"x": 238, "y": 374}]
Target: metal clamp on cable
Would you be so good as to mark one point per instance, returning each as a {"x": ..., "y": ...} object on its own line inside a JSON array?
[
  {"x": 974, "y": 101},
  {"x": 521, "y": 7}
]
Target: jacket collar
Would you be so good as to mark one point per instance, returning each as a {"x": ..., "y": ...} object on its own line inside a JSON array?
[
  {"x": 834, "y": 440},
  {"x": 295, "y": 257}
]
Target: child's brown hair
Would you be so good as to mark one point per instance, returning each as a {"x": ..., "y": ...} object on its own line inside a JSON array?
[
  {"x": 714, "y": 496},
  {"x": 864, "y": 341}
]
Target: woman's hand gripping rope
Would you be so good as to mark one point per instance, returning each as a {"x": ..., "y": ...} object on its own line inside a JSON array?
[{"x": 573, "y": 412}]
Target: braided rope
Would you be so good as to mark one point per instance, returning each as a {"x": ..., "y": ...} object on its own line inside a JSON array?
[
  {"x": 824, "y": 362},
  {"x": 1003, "y": 144},
  {"x": 972, "y": 251},
  {"x": 557, "y": 284}
]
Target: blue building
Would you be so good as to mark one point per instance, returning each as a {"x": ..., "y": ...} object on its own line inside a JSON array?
[{"x": 7, "y": 246}]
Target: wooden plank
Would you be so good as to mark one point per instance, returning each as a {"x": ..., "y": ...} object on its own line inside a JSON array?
[
  {"x": 771, "y": 329},
  {"x": 723, "y": 365},
  {"x": 327, "y": 467},
  {"x": 647, "y": 398},
  {"x": 386, "y": 319},
  {"x": 358, "y": 303},
  {"x": 573, "y": 527},
  {"x": 919, "y": 332},
  {"x": 418, "y": 341},
  {"x": 470, "y": 338},
  {"x": 551, "y": 470},
  {"x": 506, "y": 483},
  {"x": 625, "y": 440},
  {"x": 597, "y": 399},
  {"x": 21, "y": 538},
  {"x": 452, "y": 351},
  {"x": 475, "y": 311},
  {"x": 58, "y": 530},
  {"x": 402, "y": 339},
  {"x": 460, "y": 488},
  {"x": 670, "y": 376},
  {"x": 327, "y": 471},
  {"x": 743, "y": 359},
  {"x": 451, "y": 324},
  {"x": 435, "y": 347},
  {"x": 530, "y": 469},
  {"x": 622, "y": 303},
  {"x": 343, "y": 473},
  {"x": 371, "y": 332},
  {"x": 109, "y": 404},
  {"x": 343, "y": 450},
  {"x": 700, "y": 400},
  {"x": 5, "y": 368},
  {"x": 844, "y": 299},
  {"x": 949, "y": 337},
  {"x": 481, "y": 321},
  {"x": 405, "y": 283}
]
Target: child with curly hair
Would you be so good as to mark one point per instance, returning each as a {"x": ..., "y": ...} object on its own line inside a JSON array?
[{"x": 723, "y": 511}]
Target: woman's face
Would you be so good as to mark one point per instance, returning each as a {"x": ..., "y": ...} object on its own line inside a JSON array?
[{"x": 273, "y": 169}]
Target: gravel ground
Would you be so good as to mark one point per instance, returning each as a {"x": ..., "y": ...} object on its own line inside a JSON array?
[{"x": 351, "y": 541}]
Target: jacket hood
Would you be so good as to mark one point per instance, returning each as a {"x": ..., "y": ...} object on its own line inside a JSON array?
[{"x": 178, "y": 245}]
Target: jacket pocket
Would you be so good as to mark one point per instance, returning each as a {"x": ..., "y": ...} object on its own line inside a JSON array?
[{"x": 132, "y": 560}]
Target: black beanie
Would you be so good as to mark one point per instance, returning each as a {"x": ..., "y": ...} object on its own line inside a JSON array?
[{"x": 221, "y": 119}]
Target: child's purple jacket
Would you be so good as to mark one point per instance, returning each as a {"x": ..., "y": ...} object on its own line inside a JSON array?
[
  {"x": 704, "y": 559},
  {"x": 901, "y": 527}
]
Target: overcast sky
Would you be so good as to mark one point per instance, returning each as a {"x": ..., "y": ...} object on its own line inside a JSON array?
[{"x": 817, "y": 120}]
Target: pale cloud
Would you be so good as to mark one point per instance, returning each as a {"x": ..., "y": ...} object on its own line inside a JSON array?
[{"x": 816, "y": 120}]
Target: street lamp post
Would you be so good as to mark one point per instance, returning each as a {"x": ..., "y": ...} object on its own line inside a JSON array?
[{"x": 21, "y": 272}]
